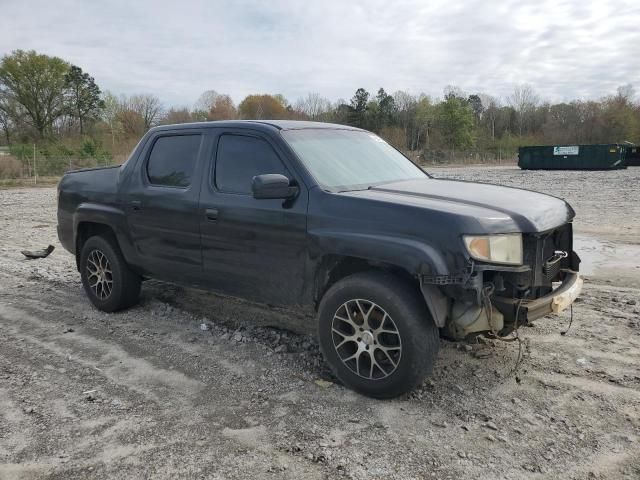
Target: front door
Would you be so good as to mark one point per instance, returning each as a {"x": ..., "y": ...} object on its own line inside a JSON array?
[{"x": 254, "y": 249}]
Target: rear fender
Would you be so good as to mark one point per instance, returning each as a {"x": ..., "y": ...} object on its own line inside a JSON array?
[{"x": 110, "y": 216}]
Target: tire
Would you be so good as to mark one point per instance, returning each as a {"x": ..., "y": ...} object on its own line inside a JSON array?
[
  {"x": 369, "y": 296},
  {"x": 108, "y": 292}
]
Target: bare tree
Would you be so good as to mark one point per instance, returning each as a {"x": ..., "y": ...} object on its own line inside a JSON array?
[
  {"x": 110, "y": 113},
  {"x": 5, "y": 124},
  {"x": 313, "y": 106},
  {"x": 523, "y": 100},
  {"x": 491, "y": 107},
  {"x": 206, "y": 101},
  {"x": 425, "y": 119},
  {"x": 626, "y": 92},
  {"x": 223, "y": 108},
  {"x": 591, "y": 120},
  {"x": 406, "y": 108},
  {"x": 454, "y": 91},
  {"x": 6, "y": 112},
  {"x": 176, "y": 115},
  {"x": 148, "y": 107}
]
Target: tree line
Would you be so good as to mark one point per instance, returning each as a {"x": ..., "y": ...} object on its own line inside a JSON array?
[{"x": 49, "y": 101}]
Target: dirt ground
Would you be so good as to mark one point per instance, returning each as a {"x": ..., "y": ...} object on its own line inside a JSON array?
[{"x": 149, "y": 393}]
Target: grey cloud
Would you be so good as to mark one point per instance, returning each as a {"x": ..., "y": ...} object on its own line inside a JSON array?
[{"x": 176, "y": 50}]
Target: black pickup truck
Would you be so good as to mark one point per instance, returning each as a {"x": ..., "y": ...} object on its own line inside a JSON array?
[{"x": 326, "y": 218}]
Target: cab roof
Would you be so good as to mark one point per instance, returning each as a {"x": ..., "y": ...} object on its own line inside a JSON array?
[{"x": 264, "y": 124}]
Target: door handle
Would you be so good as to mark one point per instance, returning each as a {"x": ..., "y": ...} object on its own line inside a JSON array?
[
  {"x": 136, "y": 205},
  {"x": 211, "y": 214}
]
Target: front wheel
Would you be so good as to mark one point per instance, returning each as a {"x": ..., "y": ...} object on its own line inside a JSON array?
[
  {"x": 107, "y": 279},
  {"x": 376, "y": 334}
]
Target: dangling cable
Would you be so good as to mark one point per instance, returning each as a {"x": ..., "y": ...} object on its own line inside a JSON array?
[
  {"x": 570, "y": 322},
  {"x": 486, "y": 302},
  {"x": 520, "y": 343}
]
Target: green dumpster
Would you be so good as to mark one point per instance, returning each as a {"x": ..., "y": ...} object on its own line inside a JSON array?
[
  {"x": 633, "y": 156},
  {"x": 572, "y": 157}
]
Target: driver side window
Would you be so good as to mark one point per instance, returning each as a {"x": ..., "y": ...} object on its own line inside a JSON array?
[{"x": 240, "y": 158}]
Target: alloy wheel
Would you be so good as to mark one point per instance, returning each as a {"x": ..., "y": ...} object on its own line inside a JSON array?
[
  {"x": 366, "y": 339},
  {"x": 99, "y": 275}
]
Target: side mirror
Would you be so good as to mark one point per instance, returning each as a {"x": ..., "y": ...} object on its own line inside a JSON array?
[{"x": 273, "y": 185}]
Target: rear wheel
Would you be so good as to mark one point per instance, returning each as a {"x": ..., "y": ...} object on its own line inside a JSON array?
[
  {"x": 376, "y": 334},
  {"x": 107, "y": 279}
]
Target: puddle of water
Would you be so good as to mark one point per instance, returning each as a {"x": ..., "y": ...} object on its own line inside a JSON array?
[{"x": 599, "y": 256}]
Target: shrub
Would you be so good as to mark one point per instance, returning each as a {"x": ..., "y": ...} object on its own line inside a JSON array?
[{"x": 10, "y": 167}]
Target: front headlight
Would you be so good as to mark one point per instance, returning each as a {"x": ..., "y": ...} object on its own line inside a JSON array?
[{"x": 504, "y": 248}]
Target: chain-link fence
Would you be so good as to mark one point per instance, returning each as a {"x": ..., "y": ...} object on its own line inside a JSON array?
[
  {"x": 467, "y": 157},
  {"x": 25, "y": 164}
]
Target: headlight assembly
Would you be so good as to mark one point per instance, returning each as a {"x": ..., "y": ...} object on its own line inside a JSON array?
[{"x": 504, "y": 248}]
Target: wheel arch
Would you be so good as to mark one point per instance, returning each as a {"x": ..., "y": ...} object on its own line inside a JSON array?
[
  {"x": 333, "y": 268},
  {"x": 102, "y": 219},
  {"x": 343, "y": 253},
  {"x": 87, "y": 229}
]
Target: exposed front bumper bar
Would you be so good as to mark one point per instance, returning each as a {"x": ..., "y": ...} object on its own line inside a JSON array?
[{"x": 554, "y": 302}]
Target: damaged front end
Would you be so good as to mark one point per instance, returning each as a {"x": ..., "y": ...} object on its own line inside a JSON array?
[{"x": 497, "y": 298}]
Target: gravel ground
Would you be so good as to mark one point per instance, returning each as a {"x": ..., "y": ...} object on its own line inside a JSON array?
[{"x": 193, "y": 385}]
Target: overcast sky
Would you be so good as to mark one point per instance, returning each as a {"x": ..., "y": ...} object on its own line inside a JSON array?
[{"x": 177, "y": 49}]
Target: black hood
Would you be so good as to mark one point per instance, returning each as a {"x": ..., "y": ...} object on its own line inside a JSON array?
[{"x": 495, "y": 208}]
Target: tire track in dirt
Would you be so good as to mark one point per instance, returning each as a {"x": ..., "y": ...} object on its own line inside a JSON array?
[
  {"x": 114, "y": 442},
  {"x": 134, "y": 373}
]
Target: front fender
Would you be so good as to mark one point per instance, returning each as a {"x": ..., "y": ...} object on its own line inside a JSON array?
[{"x": 414, "y": 256}]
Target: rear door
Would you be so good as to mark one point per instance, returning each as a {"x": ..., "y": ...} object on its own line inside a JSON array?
[
  {"x": 162, "y": 205},
  {"x": 254, "y": 249}
]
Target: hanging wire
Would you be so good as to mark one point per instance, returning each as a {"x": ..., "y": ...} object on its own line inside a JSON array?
[
  {"x": 570, "y": 322},
  {"x": 486, "y": 301}
]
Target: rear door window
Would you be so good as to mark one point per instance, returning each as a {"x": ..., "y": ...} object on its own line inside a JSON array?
[
  {"x": 172, "y": 160},
  {"x": 240, "y": 158}
]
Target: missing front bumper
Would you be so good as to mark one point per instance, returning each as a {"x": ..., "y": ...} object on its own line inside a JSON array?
[{"x": 554, "y": 302}]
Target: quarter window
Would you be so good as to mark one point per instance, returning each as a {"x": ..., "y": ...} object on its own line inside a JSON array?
[
  {"x": 172, "y": 160},
  {"x": 240, "y": 158}
]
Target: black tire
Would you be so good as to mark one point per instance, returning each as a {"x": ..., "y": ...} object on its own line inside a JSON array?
[
  {"x": 418, "y": 335},
  {"x": 125, "y": 284}
]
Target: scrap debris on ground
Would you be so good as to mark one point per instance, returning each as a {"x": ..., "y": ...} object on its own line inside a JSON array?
[
  {"x": 33, "y": 254},
  {"x": 194, "y": 385}
]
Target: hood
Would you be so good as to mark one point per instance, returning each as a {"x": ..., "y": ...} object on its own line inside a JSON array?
[{"x": 497, "y": 209}]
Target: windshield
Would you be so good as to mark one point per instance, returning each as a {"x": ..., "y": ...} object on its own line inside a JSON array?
[{"x": 350, "y": 159}]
